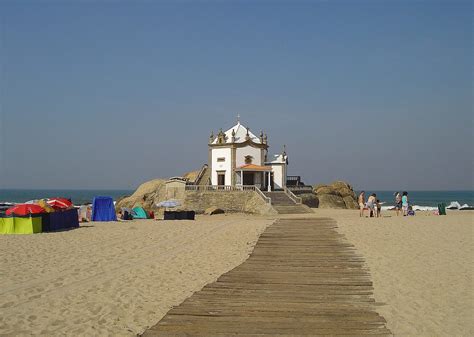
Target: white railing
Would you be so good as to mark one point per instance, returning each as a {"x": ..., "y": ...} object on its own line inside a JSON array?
[
  {"x": 201, "y": 173},
  {"x": 308, "y": 189},
  {"x": 268, "y": 200},
  {"x": 293, "y": 197},
  {"x": 217, "y": 188},
  {"x": 227, "y": 188}
]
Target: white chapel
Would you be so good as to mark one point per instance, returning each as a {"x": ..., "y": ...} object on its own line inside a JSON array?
[{"x": 239, "y": 158}]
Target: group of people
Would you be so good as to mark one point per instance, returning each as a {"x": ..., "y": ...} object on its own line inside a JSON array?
[
  {"x": 401, "y": 203},
  {"x": 374, "y": 206}
]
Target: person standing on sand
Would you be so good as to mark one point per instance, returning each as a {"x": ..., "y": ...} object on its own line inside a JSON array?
[
  {"x": 361, "y": 202},
  {"x": 398, "y": 202},
  {"x": 371, "y": 205},
  {"x": 379, "y": 208},
  {"x": 405, "y": 203}
]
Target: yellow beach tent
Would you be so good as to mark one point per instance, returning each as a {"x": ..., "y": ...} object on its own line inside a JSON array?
[{"x": 20, "y": 225}]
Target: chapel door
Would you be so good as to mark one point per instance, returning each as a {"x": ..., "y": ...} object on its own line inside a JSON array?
[
  {"x": 221, "y": 178},
  {"x": 249, "y": 178}
]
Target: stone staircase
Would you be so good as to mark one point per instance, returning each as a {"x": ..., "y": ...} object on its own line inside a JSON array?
[{"x": 283, "y": 204}]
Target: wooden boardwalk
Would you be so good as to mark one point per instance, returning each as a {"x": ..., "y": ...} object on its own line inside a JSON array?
[{"x": 302, "y": 279}]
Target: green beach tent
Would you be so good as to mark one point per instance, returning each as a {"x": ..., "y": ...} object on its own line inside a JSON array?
[
  {"x": 20, "y": 225},
  {"x": 139, "y": 213}
]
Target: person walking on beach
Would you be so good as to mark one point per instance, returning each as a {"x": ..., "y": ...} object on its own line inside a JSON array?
[
  {"x": 361, "y": 202},
  {"x": 398, "y": 202},
  {"x": 405, "y": 203}
]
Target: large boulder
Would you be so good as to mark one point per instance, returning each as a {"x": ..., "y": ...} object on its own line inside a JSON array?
[
  {"x": 343, "y": 189},
  {"x": 309, "y": 199},
  {"x": 338, "y": 194},
  {"x": 350, "y": 202},
  {"x": 316, "y": 187},
  {"x": 338, "y": 184},
  {"x": 345, "y": 192},
  {"x": 146, "y": 195},
  {"x": 331, "y": 201},
  {"x": 325, "y": 190},
  {"x": 191, "y": 176}
]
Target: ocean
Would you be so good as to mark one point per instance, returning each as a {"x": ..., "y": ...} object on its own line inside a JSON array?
[
  {"x": 427, "y": 199},
  {"x": 78, "y": 197}
]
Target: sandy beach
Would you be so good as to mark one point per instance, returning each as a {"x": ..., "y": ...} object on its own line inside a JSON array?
[
  {"x": 117, "y": 279},
  {"x": 422, "y": 268}
]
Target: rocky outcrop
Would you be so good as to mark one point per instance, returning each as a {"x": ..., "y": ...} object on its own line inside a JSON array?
[
  {"x": 350, "y": 202},
  {"x": 146, "y": 195},
  {"x": 309, "y": 199},
  {"x": 338, "y": 194},
  {"x": 331, "y": 201},
  {"x": 191, "y": 176}
]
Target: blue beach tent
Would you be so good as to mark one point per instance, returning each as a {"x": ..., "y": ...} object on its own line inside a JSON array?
[{"x": 103, "y": 209}]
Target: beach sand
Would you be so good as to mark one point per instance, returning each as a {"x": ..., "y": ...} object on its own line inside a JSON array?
[
  {"x": 115, "y": 278},
  {"x": 422, "y": 268}
]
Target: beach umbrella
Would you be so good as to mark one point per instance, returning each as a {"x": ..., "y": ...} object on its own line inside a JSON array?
[
  {"x": 47, "y": 208},
  {"x": 169, "y": 203},
  {"x": 25, "y": 209},
  {"x": 59, "y": 203}
]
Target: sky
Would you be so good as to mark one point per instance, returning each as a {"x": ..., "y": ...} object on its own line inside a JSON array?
[{"x": 109, "y": 94}]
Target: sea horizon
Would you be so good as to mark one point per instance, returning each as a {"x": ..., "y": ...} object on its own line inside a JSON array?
[{"x": 423, "y": 198}]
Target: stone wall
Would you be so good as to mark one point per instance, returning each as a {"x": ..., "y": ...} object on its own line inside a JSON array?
[{"x": 229, "y": 201}]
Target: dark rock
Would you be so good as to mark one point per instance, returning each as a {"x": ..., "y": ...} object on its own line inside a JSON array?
[{"x": 309, "y": 199}]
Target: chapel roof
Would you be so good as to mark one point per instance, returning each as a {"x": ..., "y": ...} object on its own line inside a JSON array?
[
  {"x": 240, "y": 134},
  {"x": 253, "y": 167}
]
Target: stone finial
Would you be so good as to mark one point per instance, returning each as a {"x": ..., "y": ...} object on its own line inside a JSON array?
[
  {"x": 247, "y": 136},
  {"x": 221, "y": 137},
  {"x": 265, "y": 138},
  {"x": 233, "y": 136},
  {"x": 284, "y": 150},
  {"x": 211, "y": 137}
]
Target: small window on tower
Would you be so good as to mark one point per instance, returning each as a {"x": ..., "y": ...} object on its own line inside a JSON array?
[
  {"x": 221, "y": 159},
  {"x": 248, "y": 159}
]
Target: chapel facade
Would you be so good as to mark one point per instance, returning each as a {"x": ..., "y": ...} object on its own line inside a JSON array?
[{"x": 237, "y": 157}]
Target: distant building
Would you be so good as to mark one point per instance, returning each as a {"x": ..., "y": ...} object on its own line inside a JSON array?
[{"x": 237, "y": 157}]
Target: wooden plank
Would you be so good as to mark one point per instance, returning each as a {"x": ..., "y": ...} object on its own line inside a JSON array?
[{"x": 302, "y": 279}]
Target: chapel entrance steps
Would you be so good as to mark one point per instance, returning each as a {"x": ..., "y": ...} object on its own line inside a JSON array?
[{"x": 283, "y": 204}]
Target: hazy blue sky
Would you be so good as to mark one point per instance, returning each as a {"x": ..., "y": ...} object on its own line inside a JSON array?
[{"x": 104, "y": 94}]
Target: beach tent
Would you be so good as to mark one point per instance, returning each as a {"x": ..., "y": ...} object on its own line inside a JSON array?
[
  {"x": 60, "y": 220},
  {"x": 21, "y": 225},
  {"x": 139, "y": 213},
  {"x": 103, "y": 209}
]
